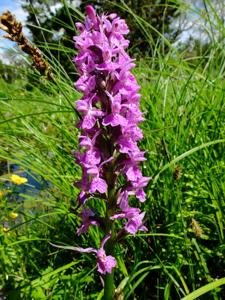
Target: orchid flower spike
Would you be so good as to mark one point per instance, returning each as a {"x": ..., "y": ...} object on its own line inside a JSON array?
[{"x": 108, "y": 143}]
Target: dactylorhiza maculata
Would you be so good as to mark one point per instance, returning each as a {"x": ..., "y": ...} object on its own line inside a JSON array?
[{"x": 109, "y": 155}]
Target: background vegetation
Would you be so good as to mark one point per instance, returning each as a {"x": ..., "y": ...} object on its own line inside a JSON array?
[{"x": 183, "y": 91}]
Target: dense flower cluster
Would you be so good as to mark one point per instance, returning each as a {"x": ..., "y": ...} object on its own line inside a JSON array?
[{"x": 109, "y": 154}]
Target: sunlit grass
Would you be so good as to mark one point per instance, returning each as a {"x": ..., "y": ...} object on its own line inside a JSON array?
[{"x": 184, "y": 136}]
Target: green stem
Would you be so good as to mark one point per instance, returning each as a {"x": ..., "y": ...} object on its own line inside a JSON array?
[
  {"x": 109, "y": 286},
  {"x": 109, "y": 278}
]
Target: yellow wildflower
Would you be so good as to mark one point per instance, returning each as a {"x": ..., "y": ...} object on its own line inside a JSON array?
[
  {"x": 1, "y": 194},
  {"x": 13, "y": 215},
  {"x": 5, "y": 229},
  {"x": 18, "y": 180}
]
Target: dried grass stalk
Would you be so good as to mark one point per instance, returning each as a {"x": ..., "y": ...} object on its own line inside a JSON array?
[{"x": 9, "y": 24}]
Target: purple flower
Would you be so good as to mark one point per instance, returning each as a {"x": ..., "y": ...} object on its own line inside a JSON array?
[
  {"x": 105, "y": 263},
  {"x": 98, "y": 184},
  {"x": 115, "y": 118},
  {"x": 122, "y": 200},
  {"x": 133, "y": 173},
  {"x": 108, "y": 144},
  {"x": 135, "y": 220},
  {"x": 87, "y": 219},
  {"x": 90, "y": 113},
  {"x": 85, "y": 84},
  {"x": 135, "y": 223}
]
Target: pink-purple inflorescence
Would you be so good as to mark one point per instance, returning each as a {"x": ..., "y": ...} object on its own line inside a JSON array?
[{"x": 109, "y": 153}]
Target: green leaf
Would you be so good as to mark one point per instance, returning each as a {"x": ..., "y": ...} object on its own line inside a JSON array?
[
  {"x": 205, "y": 289},
  {"x": 185, "y": 154}
]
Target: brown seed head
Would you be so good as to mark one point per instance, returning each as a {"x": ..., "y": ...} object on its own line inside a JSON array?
[
  {"x": 196, "y": 228},
  {"x": 9, "y": 24}
]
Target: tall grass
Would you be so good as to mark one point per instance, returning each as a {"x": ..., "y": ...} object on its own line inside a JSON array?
[{"x": 184, "y": 136}]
